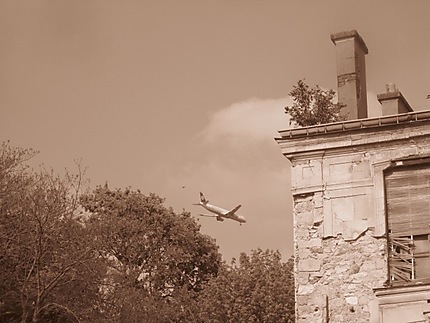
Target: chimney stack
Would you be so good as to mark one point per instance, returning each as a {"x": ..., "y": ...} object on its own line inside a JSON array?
[
  {"x": 351, "y": 73},
  {"x": 392, "y": 101}
]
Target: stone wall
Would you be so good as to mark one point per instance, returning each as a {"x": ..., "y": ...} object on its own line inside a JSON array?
[{"x": 334, "y": 278}]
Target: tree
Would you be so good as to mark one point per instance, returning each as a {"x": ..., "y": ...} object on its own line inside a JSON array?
[
  {"x": 49, "y": 269},
  {"x": 313, "y": 106},
  {"x": 158, "y": 259},
  {"x": 258, "y": 289},
  {"x": 129, "y": 259}
]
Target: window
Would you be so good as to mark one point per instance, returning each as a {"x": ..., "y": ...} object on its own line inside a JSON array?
[{"x": 407, "y": 186}]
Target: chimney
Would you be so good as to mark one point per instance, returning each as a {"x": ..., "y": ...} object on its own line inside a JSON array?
[
  {"x": 392, "y": 101},
  {"x": 351, "y": 73}
]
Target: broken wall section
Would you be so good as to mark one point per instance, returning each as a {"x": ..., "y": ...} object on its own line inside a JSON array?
[
  {"x": 334, "y": 277},
  {"x": 346, "y": 183}
]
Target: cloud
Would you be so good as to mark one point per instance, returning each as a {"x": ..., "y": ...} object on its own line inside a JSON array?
[
  {"x": 254, "y": 120},
  {"x": 237, "y": 150}
]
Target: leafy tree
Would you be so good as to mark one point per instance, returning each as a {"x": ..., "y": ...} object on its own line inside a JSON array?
[
  {"x": 130, "y": 260},
  {"x": 258, "y": 289},
  {"x": 49, "y": 269},
  {"x": 313, "y": 106},
  {"x": 158, "y": 259}
]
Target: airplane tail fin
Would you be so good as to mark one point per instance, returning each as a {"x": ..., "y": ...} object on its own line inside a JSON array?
[{"x": 203, "y": 199}]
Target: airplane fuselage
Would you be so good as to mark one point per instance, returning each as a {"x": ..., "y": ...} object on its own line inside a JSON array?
[{"x": 223, "y": 212}]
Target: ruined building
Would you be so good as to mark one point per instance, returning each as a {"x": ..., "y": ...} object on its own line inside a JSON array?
[{"x": 361, "y": 191}]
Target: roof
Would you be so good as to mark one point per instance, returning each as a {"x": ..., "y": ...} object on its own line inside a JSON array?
[{"x": 343, "y": 126}]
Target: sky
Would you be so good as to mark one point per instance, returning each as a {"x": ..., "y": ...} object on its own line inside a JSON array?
[{"x": 178, "y": 97}]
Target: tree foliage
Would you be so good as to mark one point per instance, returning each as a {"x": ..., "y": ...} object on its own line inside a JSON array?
[
  {"x": 157, "y": 258},
  {"x": 312, "y": 106},
  {"x": 260, "y": 288}
]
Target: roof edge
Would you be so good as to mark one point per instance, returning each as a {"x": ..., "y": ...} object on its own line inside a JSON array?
[{"x": 348, "y": 125}]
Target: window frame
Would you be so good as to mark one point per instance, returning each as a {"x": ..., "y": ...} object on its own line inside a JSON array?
[{"x": 404, "y": 246}]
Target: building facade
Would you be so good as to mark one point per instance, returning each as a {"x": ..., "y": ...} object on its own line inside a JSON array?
[{"x": 361, "y": 191}]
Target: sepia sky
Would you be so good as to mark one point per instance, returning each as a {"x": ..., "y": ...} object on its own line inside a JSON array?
[{"x": 178, "y": 97}]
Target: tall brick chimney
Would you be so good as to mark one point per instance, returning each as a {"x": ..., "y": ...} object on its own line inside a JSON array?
[
  {"x": 351, "y": 73},
  {"x": 393, "y": 102}
]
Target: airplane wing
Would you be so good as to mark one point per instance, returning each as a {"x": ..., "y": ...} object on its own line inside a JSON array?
[
  {"x": 208, "y": 215},
  {"x": 230, "y": 213},
  {"x": 218, "y": 218}
]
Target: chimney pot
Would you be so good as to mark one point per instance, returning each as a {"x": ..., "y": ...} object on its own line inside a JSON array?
[{"x": 390, "y": 87}]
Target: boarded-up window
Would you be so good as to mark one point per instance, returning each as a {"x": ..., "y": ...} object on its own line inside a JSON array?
[{"x": 408, "y": 219}]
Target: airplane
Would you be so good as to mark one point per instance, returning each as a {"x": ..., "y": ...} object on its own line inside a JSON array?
[{"x": 219, "y": 213}]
